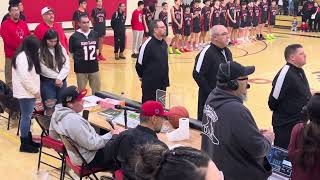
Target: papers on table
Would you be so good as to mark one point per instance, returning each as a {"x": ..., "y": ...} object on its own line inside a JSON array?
[{"x": 91, "y": 101}]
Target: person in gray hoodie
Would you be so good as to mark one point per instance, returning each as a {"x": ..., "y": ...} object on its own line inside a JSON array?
[
  {"x": 67, "y": 121},
  {"x": 230, "y": 135}
]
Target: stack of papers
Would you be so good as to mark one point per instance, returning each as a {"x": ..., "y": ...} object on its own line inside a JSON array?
[{"x": 91, "y": 101}]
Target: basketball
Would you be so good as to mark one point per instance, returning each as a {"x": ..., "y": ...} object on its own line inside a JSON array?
[{"x": 176, "y": 113}]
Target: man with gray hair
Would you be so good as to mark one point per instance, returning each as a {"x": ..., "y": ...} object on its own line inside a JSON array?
[{"x": 207, "y": 64}]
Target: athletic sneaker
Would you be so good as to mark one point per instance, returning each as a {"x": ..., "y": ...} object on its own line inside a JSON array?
[
  {"x": 170, "y": 50},
  {"x": 268, "y": 37},
  {"x": 187, "y": 50},
  {"x": 101, "y": 58},
  {"x": 177, "y": 51},
  {"x": 272, "y": 36},
  {"x": 182, "y": 50}
]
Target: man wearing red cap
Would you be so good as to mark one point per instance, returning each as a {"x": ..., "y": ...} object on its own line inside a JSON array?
[
  {"x": 48, "y": 23},
  {"x": 122, "y": 148}
]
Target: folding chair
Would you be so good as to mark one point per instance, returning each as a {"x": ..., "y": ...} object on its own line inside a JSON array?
[
  {"x": 83, "y": 170},
  {"x": 50, "y": 143},
  {"x": 14, "y": 108}
]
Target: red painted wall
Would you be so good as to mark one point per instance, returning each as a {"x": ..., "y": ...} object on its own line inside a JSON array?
[{"x": 63, "y": 8}]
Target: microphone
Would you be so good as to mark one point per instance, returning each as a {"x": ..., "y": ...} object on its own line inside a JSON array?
[
  {"x": 248, "y": 86},
  {"x": 126, "y": 108}
]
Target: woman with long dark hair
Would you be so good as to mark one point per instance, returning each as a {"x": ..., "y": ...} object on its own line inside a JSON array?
[
  {"x": 304, "y": 148},
  {"x": 156, "y": 162},
  {"x": 55, "y": 67},
  {"x": 26, "y": 87}
]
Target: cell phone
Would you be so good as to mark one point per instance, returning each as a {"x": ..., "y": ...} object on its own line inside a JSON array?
[{"x": 85, "y": 114}]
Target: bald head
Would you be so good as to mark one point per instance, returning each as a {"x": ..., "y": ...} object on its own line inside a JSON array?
[
  {"x": 219, "y": 36},
  {"x": 218, "y": 29}
]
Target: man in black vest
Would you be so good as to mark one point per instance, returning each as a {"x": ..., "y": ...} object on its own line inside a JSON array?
[{"x": 207, "y": 64}]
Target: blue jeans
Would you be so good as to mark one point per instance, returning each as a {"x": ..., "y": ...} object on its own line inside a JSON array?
[
  {"x": 26, "y": 108},
  {"x": 49, "y": 90}
]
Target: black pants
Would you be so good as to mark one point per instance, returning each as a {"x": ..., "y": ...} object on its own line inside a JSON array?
[
  {"x": 150, "y": 93},
  {"x": 99, "y": 161},
  {"x": 119, "y": 42},
  {"x": 202, "y": 97},
  {"x": 283, "y": 135},
  {"x": 317, "y": 22},
  {"x": 310, "y": 24}
]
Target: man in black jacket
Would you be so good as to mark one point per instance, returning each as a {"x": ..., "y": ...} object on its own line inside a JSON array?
[
  {"x": 122, "y": 148},
  {"x": 118, "y": 25},
  {"x": 290, "y": 92},
  {"x": 152, "y": 63},
  {"x": 230, "y": 135},
  {"x": 207, "y": 63}
]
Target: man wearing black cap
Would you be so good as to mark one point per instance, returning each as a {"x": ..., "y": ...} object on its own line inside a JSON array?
[
  {"x": 230, "y": 135},
  {"x": 122, "y": 148},
  {"x": 67, "y": 121},
  {"x": 207, "y": 63}
]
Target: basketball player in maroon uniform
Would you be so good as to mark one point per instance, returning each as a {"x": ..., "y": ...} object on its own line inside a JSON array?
[
  {"x": 205, "y": 22},
  {"x": 215, "y": 15},
  {"x": 177, "y": 18},
  {"x": 250, "y": 19},
  {"x": 231, "y": 20},
  {"x": 256, "y": 19},
  {"x": 187, "y": 26},
  {"x": 98, "y": 19},
  {"x": 196, "y": 24},
  {"x": 223, "y": 13},
  {"x": 81, "y": 11},
  {"x": 273, "y": 10}
]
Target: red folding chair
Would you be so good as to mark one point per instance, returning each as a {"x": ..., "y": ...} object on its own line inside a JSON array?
[
  {"x": 83, "y": 170},
  {"x": 50, "y": 143}
]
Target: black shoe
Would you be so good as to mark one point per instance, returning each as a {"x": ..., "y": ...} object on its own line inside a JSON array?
[
  {"x": 34, "y": 144},
  {"x": 134, "y": 55},
  {"x": 121, "y": 56},
  {"x": 27, "y": 147}
]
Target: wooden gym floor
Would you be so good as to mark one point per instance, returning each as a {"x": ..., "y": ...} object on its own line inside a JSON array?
[{"x": 120, "y": 76}]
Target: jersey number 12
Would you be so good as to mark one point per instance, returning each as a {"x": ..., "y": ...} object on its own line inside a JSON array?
[{"x": 89, "y": 52}]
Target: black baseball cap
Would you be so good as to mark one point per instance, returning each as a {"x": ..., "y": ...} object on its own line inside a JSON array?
[
  {"x": 71, "y": 94},
  {"x": 232, "y": 70}
]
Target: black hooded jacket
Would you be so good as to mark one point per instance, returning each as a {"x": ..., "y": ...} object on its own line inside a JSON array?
[{"x": 232, "y": 139}]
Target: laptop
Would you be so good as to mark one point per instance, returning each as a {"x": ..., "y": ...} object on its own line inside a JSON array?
[{"x": 281, "y": 166}]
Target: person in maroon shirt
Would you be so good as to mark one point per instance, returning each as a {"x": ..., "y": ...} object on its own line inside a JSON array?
[
  {"x": 205, "y": 22},
  {"x": 304, "y": 147},
  {"x": 13, "y": 32},
  {"x": 48, "y": 23},
  {"x": 81, "y": 11}
]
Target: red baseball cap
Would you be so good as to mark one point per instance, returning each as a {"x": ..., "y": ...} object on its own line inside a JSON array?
[
  {"x": 71, "y": 94},
  {"x": 153, "y": 108}
]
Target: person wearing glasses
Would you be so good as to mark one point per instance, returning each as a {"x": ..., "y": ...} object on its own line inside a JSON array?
[
  {"x": 48, "y": 23},
  {"x": 230, "y": 135},
  {"x": 207, "y": 64},
  {"x": 152, "y": 64}
]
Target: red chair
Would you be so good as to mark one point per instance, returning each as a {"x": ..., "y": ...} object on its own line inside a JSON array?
[
  {"x": 50, "y": 143},
  {"x": 83, "y": 170}
]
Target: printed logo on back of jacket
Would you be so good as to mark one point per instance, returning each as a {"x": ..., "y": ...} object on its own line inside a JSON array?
[{"x": 207, "y": 128}]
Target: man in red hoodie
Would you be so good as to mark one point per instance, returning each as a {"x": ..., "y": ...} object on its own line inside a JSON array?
[
  {"x": 48, "y": 23},
  {"x": 137, "y": 29},
  {"x": 13, "y": 32}
]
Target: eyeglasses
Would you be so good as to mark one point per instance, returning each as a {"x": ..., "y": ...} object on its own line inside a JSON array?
[
  {"x": 223, "y": 34},
  {"x": 161, "y": 27},
  {"x": 243, "y": 79}
]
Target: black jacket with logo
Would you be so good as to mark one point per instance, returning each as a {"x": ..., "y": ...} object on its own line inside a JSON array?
[
  {"x": 118, "y": 21},
  {"x": 232, "y": 139}
]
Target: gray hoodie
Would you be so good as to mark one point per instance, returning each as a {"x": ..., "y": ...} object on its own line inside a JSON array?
[
  {"x": 67, "y": 122},
  {"x": 232, "y": 139}
]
